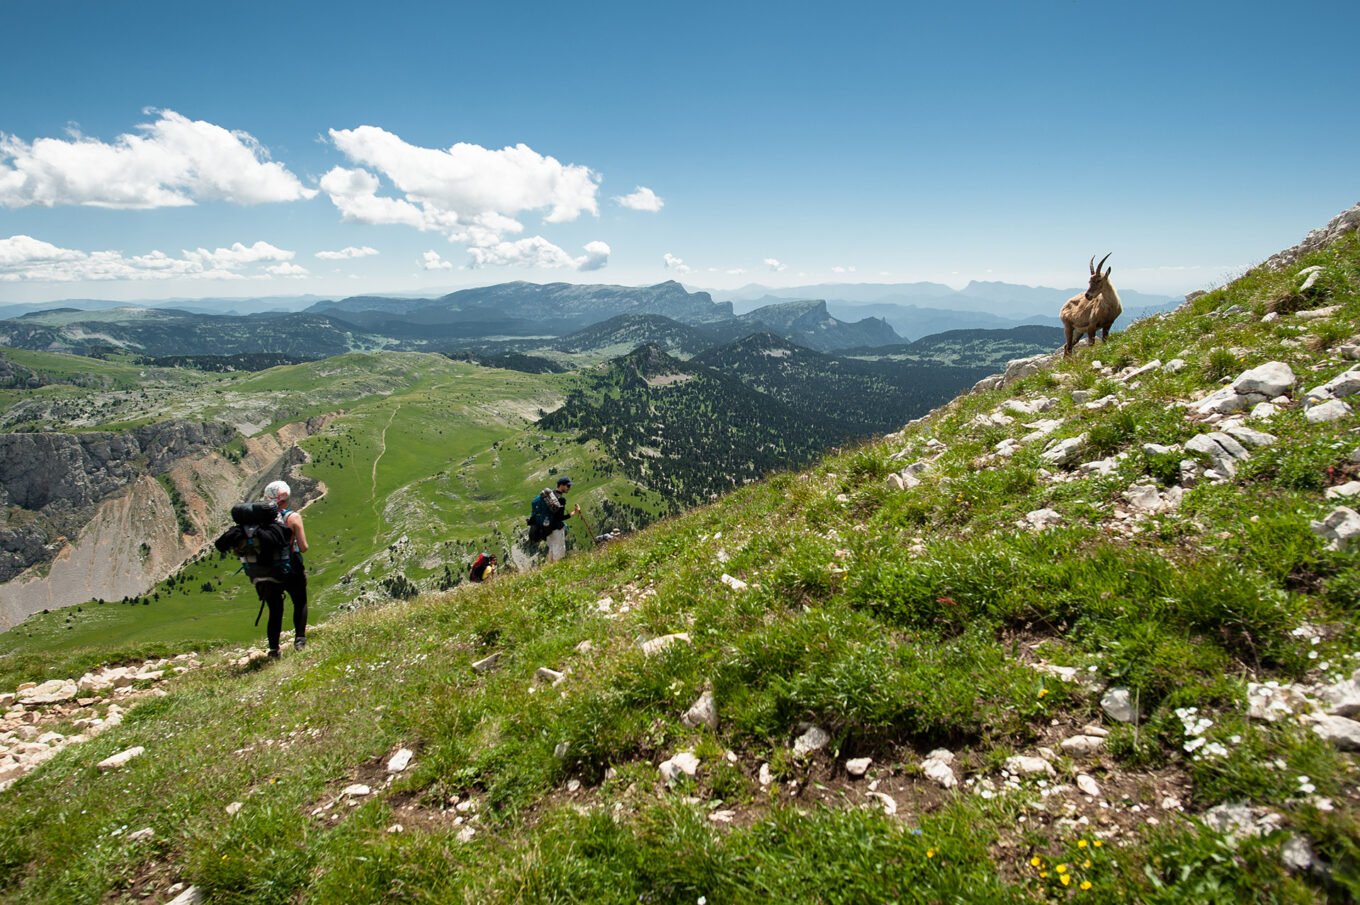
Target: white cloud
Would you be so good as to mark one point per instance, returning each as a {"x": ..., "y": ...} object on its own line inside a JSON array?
[
  {"x": 674, "y": 263},
  {"x": 773, "y": 264},
  {"x": 362, "y": 251},
  {"x": 23, "y": 259},
  {"x": 432, "y": 261},
  {"x": 471, "y": 194},
  {"x": 173, "y": 162},
  {"x": 537, "y": 251},
  {"x": 839, "y": 269},
  {"x": 642, "y": 199}
]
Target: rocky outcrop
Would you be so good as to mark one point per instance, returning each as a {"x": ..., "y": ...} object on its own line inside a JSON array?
[
  {"x": 92, "y": 515},
  {"x": 1348, "y": 221},
  {"x": 50, "y": 483}
]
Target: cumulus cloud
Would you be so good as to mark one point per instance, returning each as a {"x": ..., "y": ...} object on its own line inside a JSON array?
[
  {"x": 471, "y": 194},
  {"x": 432, "y": 261},
  {"x": 641, "y": 199},
  {"x": 773, "y": 264},
  {"x": 23, "y": 258},
  {"x": 362, "y": 251},
  {"x": 839, "y": 269},
  {"x": 674, "y": 263},
  {"x": 172, "y": 162},
  {"x": 537, "y": 251}
]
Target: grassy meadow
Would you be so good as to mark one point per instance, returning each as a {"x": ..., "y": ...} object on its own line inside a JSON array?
[{"x": 897, "y": 621}]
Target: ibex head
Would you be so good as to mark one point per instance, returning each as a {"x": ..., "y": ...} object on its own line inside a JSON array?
[{"x": 1098, "y": 280}]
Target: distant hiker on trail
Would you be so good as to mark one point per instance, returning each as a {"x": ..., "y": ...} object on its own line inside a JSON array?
[
  {"x": 294, "y": 582},
  {"x": 483, "y": 567},
  {"x": 548, "y": 519}
]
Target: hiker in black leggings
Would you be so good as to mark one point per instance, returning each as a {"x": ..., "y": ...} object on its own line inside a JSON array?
[{"x": 295, "y": 585}]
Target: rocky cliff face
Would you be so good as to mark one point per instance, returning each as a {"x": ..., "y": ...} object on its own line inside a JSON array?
[{"x": 92, "y": 515}]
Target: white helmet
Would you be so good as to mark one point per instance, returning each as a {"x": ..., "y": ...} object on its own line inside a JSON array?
[{"x": 277, "y": 490}]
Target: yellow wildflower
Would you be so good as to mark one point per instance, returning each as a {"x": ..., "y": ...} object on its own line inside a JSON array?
[
  {"x": 930, "y": 853},
  {"x": 1062, "y": 868},
  {"x": 1043, "y": 692},
  {"x": 1085, "y": 884},
  {"x": 1097, "y": 843},
  {"x": 1065, "y": 879},
  {"x": 1043, "y": 875},
  {"x": 1081, "y": 843},
  {"x": 1086, "y": 864},
  {"x": 1036, "y": 861}
]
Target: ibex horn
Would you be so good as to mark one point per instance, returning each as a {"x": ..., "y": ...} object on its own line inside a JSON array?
[
  {"x": 1092, "y": 265},
  {"x": 1102, "y": 261}
]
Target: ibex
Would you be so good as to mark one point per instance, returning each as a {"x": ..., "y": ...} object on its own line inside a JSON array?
[{"x": 1095, "y": 309}]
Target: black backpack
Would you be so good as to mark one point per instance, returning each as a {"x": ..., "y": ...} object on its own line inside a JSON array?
[{"x": 261, "y": 540}]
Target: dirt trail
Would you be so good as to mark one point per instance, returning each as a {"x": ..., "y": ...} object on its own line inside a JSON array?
[{"x": 373, "y": 477}]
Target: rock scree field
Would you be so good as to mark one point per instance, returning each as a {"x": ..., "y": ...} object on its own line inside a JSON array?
[{"x": 1086, "y": 633}]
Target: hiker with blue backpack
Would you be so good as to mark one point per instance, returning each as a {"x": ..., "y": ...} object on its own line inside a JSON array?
[{"x": 548, "y": 519}]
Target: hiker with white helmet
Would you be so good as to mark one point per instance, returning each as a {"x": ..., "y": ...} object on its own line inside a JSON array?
[{"x": 295, "y": 582}]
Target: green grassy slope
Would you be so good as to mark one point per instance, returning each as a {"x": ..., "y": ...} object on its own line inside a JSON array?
[{"x": 898, "y": 621}]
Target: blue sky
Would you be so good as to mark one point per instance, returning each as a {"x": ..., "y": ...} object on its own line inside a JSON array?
[{"x": 158, "y": 150}]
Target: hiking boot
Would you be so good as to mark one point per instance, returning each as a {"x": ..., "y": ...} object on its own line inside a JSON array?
[
  {"x": 299, "y": 643},
  {"x": 274, "y": 653}
]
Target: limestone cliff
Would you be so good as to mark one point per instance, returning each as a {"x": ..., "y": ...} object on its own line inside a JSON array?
[{"x": 92, "y": 515}]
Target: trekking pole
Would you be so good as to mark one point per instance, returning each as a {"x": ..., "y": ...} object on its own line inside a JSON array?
[
  {"x": 590, "y": 530},
  {"x": 260, "y": 613}
]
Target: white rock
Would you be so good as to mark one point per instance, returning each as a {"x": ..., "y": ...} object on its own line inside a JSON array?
[
  {"x": 1343, "y": 698},
  {"x": 585, "y": 646},
  {"x": 1271, "y": 379},
  {"x": 895, "y": 482},
  {"x": 1098, "y": 467},
  {"x": 765, "y": 776},
  {"x": 357, "y": 790},
  {"x": 1317, "y": 314},
  {"x": 548, "y": 676},
  {"x": 1348, "y": 489},
  {"x": 1102, "y": 403},
  {"x": 121, "y": 758},
  {"x": 400, "y": 761},
  {"x": 1082, "y": 744},
  {"x": 1175, "y": 365},
  {"x": 1331, "y": 410},
  {"x": 144, "y": 833},
  {"x": 657, "y": 645},
  {"x": 1134, "y": 373},
  {"x": 683, "y": 763},
  {"x": 1144, "y": 498},
  {"x": 487, "y": 663},
  {"x": 466, "y": 834},
  {"x": 1041, "y": 428},
  {"x": 1344, "y": 384},
  {"x": 723, "y": 816},
  {"x": 1088, "y": 785},
  {"x": 858, "y": 766},
  {"x": 1028, "y": 406},
  {"x": 1264, "y": 411},
  {"x": 1021, "y": 765},
  {"x": 1251, "y": 438},
  {"x": 735, "y": 584},
  {"x": 53, "y": 692},
  {"x": 703, "y": 712},
  {"x": 1271, "y": 702},
  {"x": 814, "y": 739},
  {"x": 1225, "y": 401},
  {"x": 573, "y": 785},
  {"x": 1065, "y": 452},
  {"x": 1340, "y": 528},
  {"x": 1023, "y": 367},
  {"x": 887, "y": 802},
  {"x": 1296, "y": 853},
  {"x": 1118, "y": 705},
  {"x": 1342, "y": 732},
  {"x": 234, "y": 808},
  {"x": 191, "y": 896},
  {"x": 939, "y": 772},
  {"x": 1042, "y": 519}
]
